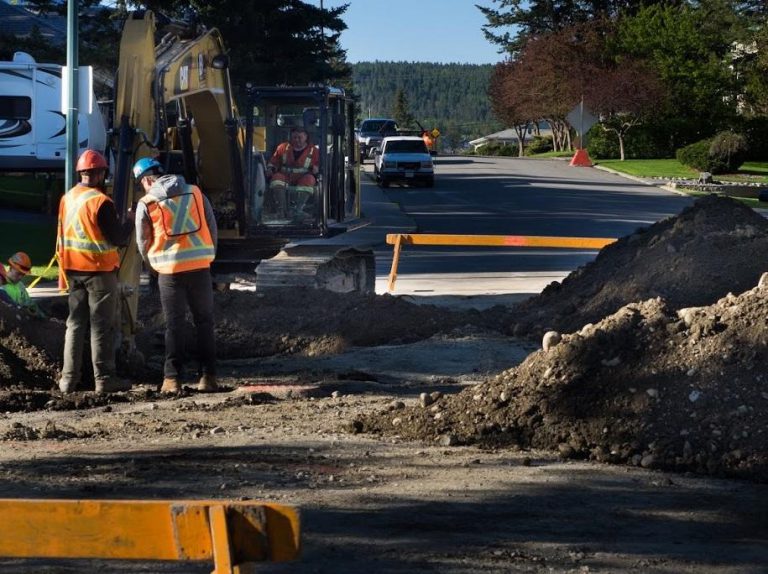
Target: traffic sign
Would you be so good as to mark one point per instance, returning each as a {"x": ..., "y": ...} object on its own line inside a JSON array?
[{"x": 435, "y": 133}]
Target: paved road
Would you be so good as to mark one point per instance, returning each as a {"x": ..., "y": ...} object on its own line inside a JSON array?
[{"x": 511, "y": 196}]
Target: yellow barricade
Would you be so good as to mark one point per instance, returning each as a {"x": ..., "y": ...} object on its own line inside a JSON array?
[
  {"x": 400, "y": 239},
  {"x": 233, "y": 534}
]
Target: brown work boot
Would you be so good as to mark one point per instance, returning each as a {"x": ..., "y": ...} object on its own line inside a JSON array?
[
  {"x": 113, "y": 385},
  {"x": 170, "y": 385},
  {"x": 208, "y": 384}
]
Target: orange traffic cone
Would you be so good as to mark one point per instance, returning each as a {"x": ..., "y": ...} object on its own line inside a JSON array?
[{"x": 581, "y": 159}]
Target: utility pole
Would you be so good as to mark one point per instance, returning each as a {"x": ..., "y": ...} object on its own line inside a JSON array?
[{"x": 72, "y": 96}]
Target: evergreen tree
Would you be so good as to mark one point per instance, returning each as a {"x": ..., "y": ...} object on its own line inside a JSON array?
[{"x": 401, "y": 112}]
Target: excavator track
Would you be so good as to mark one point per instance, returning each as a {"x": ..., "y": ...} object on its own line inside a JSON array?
[{"x": 342, "y": 269}]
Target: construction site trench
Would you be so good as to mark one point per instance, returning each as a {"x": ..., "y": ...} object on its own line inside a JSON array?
[{"x": 641, "y": 379}]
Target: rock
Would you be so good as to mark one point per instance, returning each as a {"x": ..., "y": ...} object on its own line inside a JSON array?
[
  {"x": 396, "y": 421},
  {"x": 217, "y": 430},
  {"x": 335, "y": 394},
  {"x": 436, "y": 395},
  {"x": 550, "y": 340},
  {"x": 565, "y": 450},
  {"x": 763, "y": 280},
  {"x": 653, "y": 393},
  {"x": 447, "y": 440},
  {"x": 396, "y": 405},
  {"x": 694, "y": 396},
  {"x": 425, "y": 400},
  {"x": 615, "y": 362},
  {"x": 648, "y": 461}
]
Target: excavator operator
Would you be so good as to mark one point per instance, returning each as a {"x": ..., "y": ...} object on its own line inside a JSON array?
[{"x": 295, "y": 165}]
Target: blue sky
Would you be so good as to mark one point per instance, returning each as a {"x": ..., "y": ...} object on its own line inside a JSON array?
[{"x": 415, "y": 31}]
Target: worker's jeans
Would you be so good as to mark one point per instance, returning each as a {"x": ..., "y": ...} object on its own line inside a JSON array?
[
  {"x": 177, "y": 290},
  {"x": 92, "y": 300}
]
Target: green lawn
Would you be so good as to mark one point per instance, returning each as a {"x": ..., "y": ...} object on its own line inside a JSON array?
[
  {"x": 650, "y": 167},
  {"x": 749, "y": 172}
]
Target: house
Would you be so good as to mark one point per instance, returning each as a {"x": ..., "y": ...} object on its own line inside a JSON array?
[{"x": 509, "y": 136}]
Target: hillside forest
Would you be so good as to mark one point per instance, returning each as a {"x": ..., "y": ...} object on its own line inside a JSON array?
[{"x": 450, "y": 97}]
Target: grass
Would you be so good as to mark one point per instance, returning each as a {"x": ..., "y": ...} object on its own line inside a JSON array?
[
  {"x": 650, "y": 167},
  {"x": 750, "y": 172}
]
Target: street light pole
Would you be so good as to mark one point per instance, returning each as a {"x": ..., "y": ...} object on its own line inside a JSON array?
[{"x": 72, "y": 96}]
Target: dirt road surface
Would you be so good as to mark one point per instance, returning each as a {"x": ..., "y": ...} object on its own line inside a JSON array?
[{"x": 380, "y": 504}]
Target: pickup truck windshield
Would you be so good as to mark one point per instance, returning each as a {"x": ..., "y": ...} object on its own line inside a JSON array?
[{"x": 408, "y": 146}]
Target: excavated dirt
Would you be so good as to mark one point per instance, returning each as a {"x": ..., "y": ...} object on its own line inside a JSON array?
[
  {"x": 642, "y": 379},
  {"x": 463, "y": 457},
  {"x": 716, "y": 246}
]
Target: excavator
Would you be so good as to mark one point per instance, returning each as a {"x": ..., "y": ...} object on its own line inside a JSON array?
[{"x": 173, "y": 101}]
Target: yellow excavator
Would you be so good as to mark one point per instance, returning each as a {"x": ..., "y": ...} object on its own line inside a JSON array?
[{"x": 174, "y": 101}]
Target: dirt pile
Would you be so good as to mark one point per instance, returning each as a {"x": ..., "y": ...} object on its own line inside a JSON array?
[
  {"x": 646, "y": 386},
  {"x": 309, "y": 322},
  {"x": 30, "y": 349},
  {"x": 714, "y": 247},
  {"x": 660, "y": 381}
]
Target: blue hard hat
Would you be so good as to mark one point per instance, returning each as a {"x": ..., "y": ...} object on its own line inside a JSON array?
[{"x": 146, "y": 165}]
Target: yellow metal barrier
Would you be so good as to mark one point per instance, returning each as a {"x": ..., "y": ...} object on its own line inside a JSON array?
[
  {"x": 233, "y": 534},
  {"x": 400, "y": 239}
]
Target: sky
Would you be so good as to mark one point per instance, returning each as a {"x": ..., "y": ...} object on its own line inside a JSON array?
[{"x": 442, "y": 31}]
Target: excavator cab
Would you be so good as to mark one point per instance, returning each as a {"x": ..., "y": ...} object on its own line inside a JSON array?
[{"x": 326, "y": 115}]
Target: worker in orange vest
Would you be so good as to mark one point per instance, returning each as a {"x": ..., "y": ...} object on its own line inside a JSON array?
[
  {"x": 176, "y": 234},
  {"x": 89, "y": 233},
  {"x": 295, "y": 164}
]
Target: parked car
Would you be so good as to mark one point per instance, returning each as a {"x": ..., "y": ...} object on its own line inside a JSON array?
[
  {"x": 403, "y": 159},
  {"x": 371, "y": 132}
]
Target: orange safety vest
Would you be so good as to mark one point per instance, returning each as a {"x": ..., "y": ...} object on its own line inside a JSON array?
[
  {"x": 306, "y": 160},
  {"x": 181, "y": 240},
  {"x": 81, "y": 245}
]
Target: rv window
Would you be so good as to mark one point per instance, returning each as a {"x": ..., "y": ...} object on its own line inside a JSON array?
[{"x": 15, "y": 107}]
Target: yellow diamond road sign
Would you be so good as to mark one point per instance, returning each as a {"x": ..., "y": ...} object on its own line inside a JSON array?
[{"x": 435, "y": 133}]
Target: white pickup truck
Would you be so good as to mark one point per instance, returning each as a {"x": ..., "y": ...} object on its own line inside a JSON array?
[{"x": 403, "y": 159}]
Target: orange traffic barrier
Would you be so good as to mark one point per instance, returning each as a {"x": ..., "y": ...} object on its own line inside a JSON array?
[
  {"x": 233, "y": 534},
  {"x": 400, "y": 239}
]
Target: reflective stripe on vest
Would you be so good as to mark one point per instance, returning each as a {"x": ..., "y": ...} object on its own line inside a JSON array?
[
  {"x": 298, "y": 168},
  {"x": 81, "y": 243},
  {"x": 181, "y": 240}
]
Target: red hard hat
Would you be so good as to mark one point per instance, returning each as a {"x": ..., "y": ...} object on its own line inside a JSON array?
[
  {"x": 91, "y": 159},
  {"x": 20, "y": 262}
]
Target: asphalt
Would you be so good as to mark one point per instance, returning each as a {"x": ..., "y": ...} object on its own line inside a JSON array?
[{"x": 380, "y": 216}]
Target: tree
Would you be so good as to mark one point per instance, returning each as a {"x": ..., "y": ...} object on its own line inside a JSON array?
[
  {"x": 272, "y": 42},
  {"x": 510, "y": 104},
  {"x": 401, "y": 112},
  {"x": 687, "y": 50},
  {"x": 623, "y": 97},
  {"x": 531, "y": 18}
]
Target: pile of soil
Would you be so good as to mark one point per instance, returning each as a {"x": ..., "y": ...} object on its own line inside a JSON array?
[
  {"x": 308, "y": 322},
  {"x": 716, "y": 246},
  {"x": 30, "y": 349},
  {"x": 674, "y": 380}
]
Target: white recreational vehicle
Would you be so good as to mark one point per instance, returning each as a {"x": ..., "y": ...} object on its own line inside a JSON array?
[{"x": 32, "y": 125}]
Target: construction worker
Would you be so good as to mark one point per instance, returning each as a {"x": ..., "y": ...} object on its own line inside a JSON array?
[
  {"x": 19, "y": 265},
  {"x": 89, "y": 233},
  {"x": 294, "y": 164},
  {"x": 176, "y": 234},
  {"x": 4, "y": 297}
]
